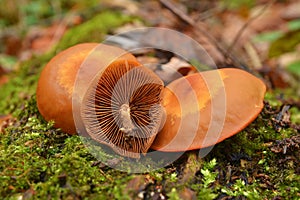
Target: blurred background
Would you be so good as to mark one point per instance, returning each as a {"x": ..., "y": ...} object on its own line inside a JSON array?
[{"x": 38, "y": 161}]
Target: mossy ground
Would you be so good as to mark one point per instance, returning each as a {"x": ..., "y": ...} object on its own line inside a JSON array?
[{"x": 40, "y": 162}]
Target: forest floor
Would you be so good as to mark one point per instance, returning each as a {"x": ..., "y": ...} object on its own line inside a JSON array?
[{"x": 38, "y": 161}]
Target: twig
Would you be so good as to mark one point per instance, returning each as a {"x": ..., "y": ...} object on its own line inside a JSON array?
[
  {"x": 198, "y": 30},
  {"x": 253, "y": 55},
  {"x": 243, "y": 28},
  {"x": 168, "y": 4}
]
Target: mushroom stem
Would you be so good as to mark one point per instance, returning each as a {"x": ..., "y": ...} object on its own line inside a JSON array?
[{"x": 126, "y": 123}]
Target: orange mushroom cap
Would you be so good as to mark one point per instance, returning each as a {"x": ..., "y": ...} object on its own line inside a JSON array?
[
  {"x": 56, "y": 83},
  {"x": 206, "y": 108}
]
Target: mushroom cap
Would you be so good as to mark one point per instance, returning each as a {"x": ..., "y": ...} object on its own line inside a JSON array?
[
  {"x": 206, "y": 108},
  {"x": 122, "y": 107},
  {"x": 56, "y": 83}
]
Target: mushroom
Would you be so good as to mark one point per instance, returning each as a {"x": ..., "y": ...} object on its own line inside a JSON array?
[
  {"x": 126, "y": 107},
  {"x": 56, "y": 82},
  {"x": 122, "y": 108},
  {"x": 205, "y": 108}
]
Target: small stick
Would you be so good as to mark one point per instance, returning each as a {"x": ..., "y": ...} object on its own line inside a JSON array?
[
  {"x": 197, "y": 29},
  {"x": 243, "y": 28},
  {"x": 168, "y": 4}
]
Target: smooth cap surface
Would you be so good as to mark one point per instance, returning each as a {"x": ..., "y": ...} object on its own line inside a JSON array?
[{"x": 205, "y": 108}]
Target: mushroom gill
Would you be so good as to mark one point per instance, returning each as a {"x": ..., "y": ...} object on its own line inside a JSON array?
[{"x": 122, "y": 107}]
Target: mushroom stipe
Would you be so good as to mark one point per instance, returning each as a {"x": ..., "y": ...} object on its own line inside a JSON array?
[{"x": 127, "y": 107}]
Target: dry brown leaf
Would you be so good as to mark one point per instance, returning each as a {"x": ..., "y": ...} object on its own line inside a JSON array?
[
  {"x": 269, "y": 20},
  {"x": 13, "y": 45},
  {"x": 41, "y": 39},
  {"x": 291, "y": 12},
  {"x": 5, "y": 121},
  {"x": 3, "y": 79},
  {"x": 232, "y": 25},
  {"x": 275, "y": 75},
  {"x": 136, "y": 184},
  {"x": 169, "y": 71}
]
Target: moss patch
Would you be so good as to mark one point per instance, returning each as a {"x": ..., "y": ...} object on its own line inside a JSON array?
[
  {"x": 93, "y": 30},
  {"x": 42, "y": 162},
  {"x": 286, "y": 43}
]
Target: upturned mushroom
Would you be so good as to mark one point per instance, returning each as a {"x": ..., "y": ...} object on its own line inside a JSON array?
[
  {"x": 127, "y": 107},
  {"x": 121, "y": 107},
  {"x": 56, "y": 83}
]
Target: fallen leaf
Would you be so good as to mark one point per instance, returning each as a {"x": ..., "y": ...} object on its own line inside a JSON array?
[
  {"x": 292, "y": 11},
  {"x": 284, "y": 44},
  {"x": 13, "y": 45},
  {"x": 170, "y": 71},
  {"x": 136, "y": 185},
  {"x": 5, "y": 121},
  {"x": 41, "y": 39},
  {"x": 232, "y": 25},
  {"x": 269, "y": 20},
  {"x": 276, "y": 76}
]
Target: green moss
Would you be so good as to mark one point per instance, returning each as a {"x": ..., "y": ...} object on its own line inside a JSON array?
[
  {"x": 22, "y": 83},
  {"x": 286, "y": 43},
  {"x": 37, "y": 157},
  {"x": 93, "y": 30},
  {"x": 236, "y": 5},
  {"x": 276, "y": 97},
  {"x": 295, "y": 115}
]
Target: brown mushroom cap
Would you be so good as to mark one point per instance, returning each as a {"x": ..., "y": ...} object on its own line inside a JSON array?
[
  {"x": 196, "y": 104},
  {"x": 56, "y": 83},
  {"x": 122, "y": 108}
]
